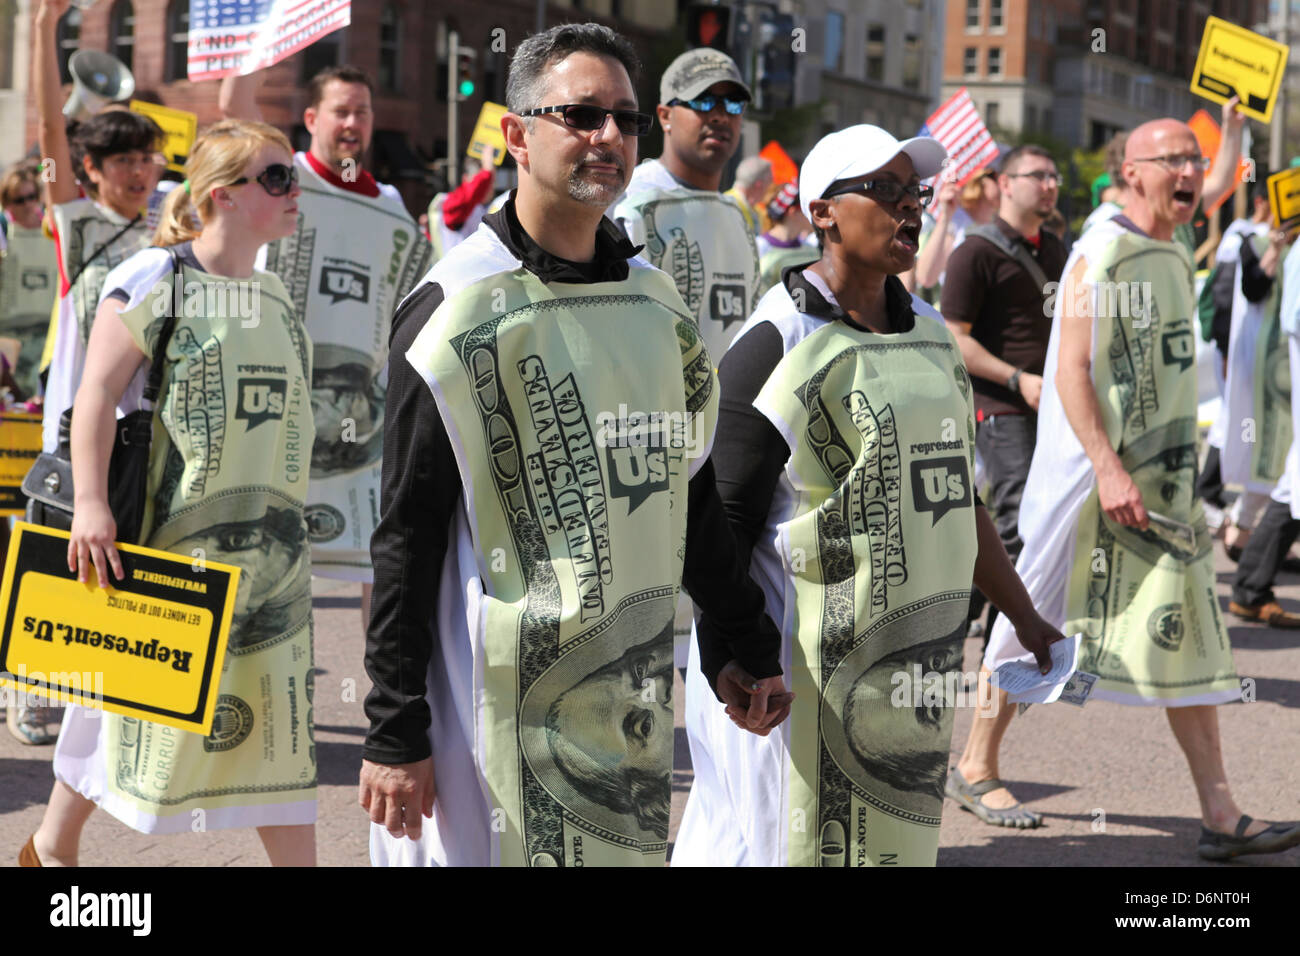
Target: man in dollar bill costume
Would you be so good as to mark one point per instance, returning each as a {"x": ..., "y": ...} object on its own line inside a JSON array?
[
  {"x": 355, "y": 254},
  {"x": 547, "y": 489},
  {"x": 844, "y": 458},
  {"x": 695, "y": 233},
  {"x": 1116, "y": 546}
]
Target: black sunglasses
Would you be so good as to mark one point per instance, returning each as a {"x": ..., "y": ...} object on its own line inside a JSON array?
[
  {"x": 30, "y": 197},
  {"x": 887, "y": 191},
  {"x": 277, "y": 179},
  {"x": 586, "y": 117}
]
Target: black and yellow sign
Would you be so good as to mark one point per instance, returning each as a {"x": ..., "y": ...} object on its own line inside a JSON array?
[
  {"x": 150, "y": 646},
  {"x": 487, "y": 132},
  {"x": 1235, "y": 61},
  {"x": 20, "y": 443},
  {"x": 180, "y": 127},
  {"x": 1284, "y": 195}
]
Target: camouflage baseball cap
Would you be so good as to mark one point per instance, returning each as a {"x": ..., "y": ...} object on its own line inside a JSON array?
[{"x": 695, "y": 71}]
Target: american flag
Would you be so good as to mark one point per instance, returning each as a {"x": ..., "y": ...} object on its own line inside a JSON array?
[
  {"x": 242, "y": 36},
  {"x": 957, "y": 125}
]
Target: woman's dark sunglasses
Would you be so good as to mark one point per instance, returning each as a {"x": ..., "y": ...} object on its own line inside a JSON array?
[
  {"x": 885, "y": 191},
  {"x": 586, "y": 117},
  {"x": 277, "y": 179}
]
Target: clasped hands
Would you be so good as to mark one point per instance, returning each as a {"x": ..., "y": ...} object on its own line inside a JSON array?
[{"x": 753, "y": 704}]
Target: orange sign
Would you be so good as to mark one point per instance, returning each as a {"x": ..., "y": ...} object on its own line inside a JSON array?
[
  {"x": 784, "y": 169},
  {"x": 1208, "y": 138}
]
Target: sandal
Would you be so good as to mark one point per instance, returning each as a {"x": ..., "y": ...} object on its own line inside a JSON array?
[
  {"x": 27, "y": 856},
  {"x": 31, "y": 725},
  {"x": 967, "y": 796},
  {"x": 1214, "y": 845}
]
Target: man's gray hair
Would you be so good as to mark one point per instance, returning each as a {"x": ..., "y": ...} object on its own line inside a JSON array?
[
  {"x": 539, "y": 52},
  {"x": 751, "y": 170}
]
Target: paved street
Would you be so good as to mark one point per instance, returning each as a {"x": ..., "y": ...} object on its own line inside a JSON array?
[{"x": 1071, "y": 764}]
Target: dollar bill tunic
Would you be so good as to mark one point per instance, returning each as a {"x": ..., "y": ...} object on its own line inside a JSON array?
[
  {"x": 29, "y": 283},
  {"x": 1143, "y": 601},
  {"x": 91, "y": 239},
  {"x": 1256, "y": 408},
  {"x": 228, "y": 474},
  {"x": 546, "y": 489},
  {"x": 355, "y": 254},
  {"x": 702, "y": 240},
  {"x": 860, "y": 512}
]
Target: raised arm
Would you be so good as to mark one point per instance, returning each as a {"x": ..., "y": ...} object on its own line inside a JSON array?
[
  {"x": 51, "y": 126},
  {"x": 1223, "y": 177},
  {"x": 237, "y": 98},
  {"x": 1118, "y": 494}
]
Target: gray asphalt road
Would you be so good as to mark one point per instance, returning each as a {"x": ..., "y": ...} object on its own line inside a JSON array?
[{"x": 1110, "y": 780}]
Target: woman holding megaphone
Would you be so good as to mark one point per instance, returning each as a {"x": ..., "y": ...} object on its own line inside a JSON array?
[{"x": 96, "y": 223}]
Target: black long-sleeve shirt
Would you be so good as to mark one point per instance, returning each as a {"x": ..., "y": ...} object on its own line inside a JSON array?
[{"x": 422, "y": 488}]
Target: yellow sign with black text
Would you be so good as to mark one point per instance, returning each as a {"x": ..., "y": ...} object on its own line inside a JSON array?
[
  {"x": 1284, "y": 195},
  {"x": 180, "y": 127},
  {"x": 150, "y": 646},
  {"x": 20, "y": 443},
  {"x": 487, "y": 132},
  {"x": 1235, "y": 61}
]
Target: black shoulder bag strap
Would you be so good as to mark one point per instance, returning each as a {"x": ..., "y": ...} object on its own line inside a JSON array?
[
  {"x": 94, "y": 255},
  {"x": 1012, "y": 249},
  {"x": 154, "y": 383}
]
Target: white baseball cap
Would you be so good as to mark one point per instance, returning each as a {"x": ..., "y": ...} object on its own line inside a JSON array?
[{"x": 858, "y": 150}]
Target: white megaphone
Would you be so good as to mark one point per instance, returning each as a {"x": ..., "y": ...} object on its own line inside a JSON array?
[{"x": 98, "y": 78}]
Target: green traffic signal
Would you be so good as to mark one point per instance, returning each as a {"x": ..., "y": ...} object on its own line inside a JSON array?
[{"x": 466, "y": 87}]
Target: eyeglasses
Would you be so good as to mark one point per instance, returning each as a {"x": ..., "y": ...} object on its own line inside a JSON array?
[
  {"x": 706, "y": 104},
  {"x": 1044, "y": 177},
  {"x": 277, "y": 179},
  {"x": 21, "y": 200},
  {"x": 132, "y": 160},
  {"x": 587, "y": 117},
  {"x": 887, "y": 191},
  {"x": 1176, "y": 163}
]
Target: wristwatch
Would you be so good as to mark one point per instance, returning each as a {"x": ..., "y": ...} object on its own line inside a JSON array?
[{"x": 1013, "y": 382}]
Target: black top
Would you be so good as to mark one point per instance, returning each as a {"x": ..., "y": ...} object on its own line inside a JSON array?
[
  {"x": 1006, "y": 308},
  {"x": 421, "y": 490}
]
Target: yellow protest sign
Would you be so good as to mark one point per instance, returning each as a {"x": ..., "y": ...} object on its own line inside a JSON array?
[
  {"x": 1235, "y": 61},
  {"x": 487, "y": 132},
  {"x": 179, "y": 126},
  {"x": 20, "y": 443},
  {"x": 150, "y": 646},
  {"x": 1284, "y": 195}
]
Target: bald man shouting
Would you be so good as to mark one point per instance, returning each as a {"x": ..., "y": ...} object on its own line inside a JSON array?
[{"x": 1116, "y": 547}]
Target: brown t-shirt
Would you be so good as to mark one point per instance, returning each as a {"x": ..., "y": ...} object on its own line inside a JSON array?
[{"x": 1007, "y": 310}]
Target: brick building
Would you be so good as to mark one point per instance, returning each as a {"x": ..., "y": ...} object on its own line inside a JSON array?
[{"x": 401, "y": 43}]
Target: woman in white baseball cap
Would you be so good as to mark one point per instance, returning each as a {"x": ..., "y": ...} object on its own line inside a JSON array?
[{"x": 843, "y": 454}]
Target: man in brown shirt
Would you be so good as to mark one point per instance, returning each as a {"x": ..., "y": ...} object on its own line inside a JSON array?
[{"x": 997, "y": 300}]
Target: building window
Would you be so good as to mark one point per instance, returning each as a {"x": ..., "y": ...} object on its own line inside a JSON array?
[
  {"x": 991, "y": 115},
  {"x": 995, "y": 15},
  {"x": 972, "y": 16},
  {"x": 121, "y": 30},
  {"x": 8, "y": 15},
  {"x": 390, "y": 25},
  {"x": 970, "y": 61},
  {"x": 912, "y": 61},
  {"x": 1031, "y": 118},
  {"x": 995, "y": 61},
  {"x": 321, "y": 55},
  {"x": 68, "y": 34},
  {"x": 876, "y": 52},
  {"x": 834, "y": 41},
  {"x": 178, "y": 39}
]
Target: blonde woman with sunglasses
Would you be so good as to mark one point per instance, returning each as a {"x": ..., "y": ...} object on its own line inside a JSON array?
[{"x": 227, "y": 482}]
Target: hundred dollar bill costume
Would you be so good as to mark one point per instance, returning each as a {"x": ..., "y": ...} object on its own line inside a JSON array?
[
  {"x": 701, "y": 239},
  {"x": 866, "y": 553},
  {"x": 547, "y": 442},
  {"x": 355, "y": 254},
  {"x": 29, "y": 282},
  {"x": 1143, "y": 600},
  {"x": 1257, "y": 391},
  {"x": 227, "y": 481}
]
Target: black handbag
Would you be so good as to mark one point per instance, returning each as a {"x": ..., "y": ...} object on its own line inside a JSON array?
[{"x": 48, "y": 485}]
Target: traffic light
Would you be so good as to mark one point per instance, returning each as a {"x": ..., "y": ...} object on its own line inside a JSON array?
[
  {"x": 776, "y": 63},
  {"x": 708, "y": 25},
  {"x": 466, "y": 62}
]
